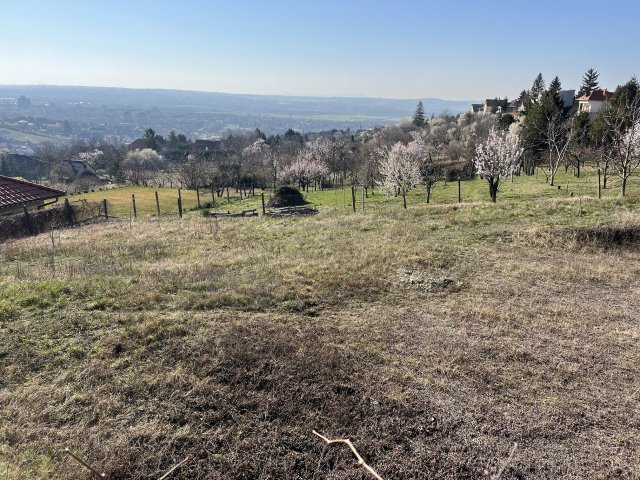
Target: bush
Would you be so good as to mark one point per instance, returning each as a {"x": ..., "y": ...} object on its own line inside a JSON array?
[{"x": 286, "y": 196}]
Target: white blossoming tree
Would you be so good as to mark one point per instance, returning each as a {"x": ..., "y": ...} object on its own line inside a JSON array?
[
  {"x": 497, "y": 156},
  {"x": 92, "y": 158},
  {"x": 400, "y": 169}
]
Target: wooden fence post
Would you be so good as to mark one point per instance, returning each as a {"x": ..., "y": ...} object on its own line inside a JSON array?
[
  {"x": 263, "y": 209},
  {"x": 459, "y": 191},
  {"x": 133, "y": 199},
  {"x": 599, "y": 185},
  {"x": 353, "y": 197},
  {"x": 157, "y": 205},
  {"x": 104, "y": 206},
  {"x": 27, "y": 220}
]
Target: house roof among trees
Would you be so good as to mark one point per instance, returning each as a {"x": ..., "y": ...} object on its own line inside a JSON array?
[
  {"x": 598, "y": 95},
  {"x": 137, "y": 144},
  {"x": 496, "y": 102},
  {"x": 206, "y": 144},
  {"x": 15, "y": 192}
]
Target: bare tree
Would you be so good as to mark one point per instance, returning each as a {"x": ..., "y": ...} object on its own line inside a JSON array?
[{"x": 624, "y": 129}]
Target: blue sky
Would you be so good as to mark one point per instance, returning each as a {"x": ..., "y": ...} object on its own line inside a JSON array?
[{"x": 458, "y": 49}]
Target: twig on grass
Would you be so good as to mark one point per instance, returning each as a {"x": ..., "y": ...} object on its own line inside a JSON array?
[
  {"x": 355, "y": 452},
  {"x": 505, "y": 463},
  {"x": 85, "y": 464},
  {"x": 174, "y": 468}
]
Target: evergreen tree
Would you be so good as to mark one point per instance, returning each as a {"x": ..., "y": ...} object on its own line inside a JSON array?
[
  {"x": 523, "y": 96},
  {"x": 555, "y": 87},
  {"x": 538, "y": 87},
  {"x": 418, "y": 117},
  {"x": 589, "y": 82}
]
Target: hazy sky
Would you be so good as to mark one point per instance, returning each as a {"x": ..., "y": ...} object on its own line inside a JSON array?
[{"x": 458, "y": 49}]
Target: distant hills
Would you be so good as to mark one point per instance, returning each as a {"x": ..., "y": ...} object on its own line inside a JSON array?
[
  {"x": 124, "y": 113},
  {"x": 234, "y": 103}
]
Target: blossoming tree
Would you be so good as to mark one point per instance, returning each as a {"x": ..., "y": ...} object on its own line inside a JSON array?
[
  {"x": 497, "y": 156},
  {"x": 400, "y": 168}
]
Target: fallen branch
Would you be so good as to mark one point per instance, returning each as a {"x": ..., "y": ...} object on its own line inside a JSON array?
[
  {"x": 355, "y": 452},
  {"x": 505, "y": 463},
  {"x": 174, "y": 468},
  {"x": 85, "y": 464}
]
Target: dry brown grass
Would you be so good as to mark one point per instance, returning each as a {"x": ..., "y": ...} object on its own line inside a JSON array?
[{"x": 433, "y": 339}]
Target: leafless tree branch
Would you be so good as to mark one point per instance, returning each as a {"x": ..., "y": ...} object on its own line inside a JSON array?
[{"x": 346, "y": 441}]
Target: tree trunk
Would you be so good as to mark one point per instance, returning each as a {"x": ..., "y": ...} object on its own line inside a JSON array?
[
  {"x": 404, "y": 200},
  {"x": 428, "y": 193},
  {"x": 493, "y": 188},
  {"x": 624, "y": 185}
]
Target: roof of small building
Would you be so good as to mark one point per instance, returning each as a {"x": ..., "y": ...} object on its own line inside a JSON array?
[
  {"x": 205, "y": 144},
  {"x": 495, "y": 102},
  {"x": 137, "y": 144},
  {"x": 598, "y": 95},
  {"x": 15, "y": 192}
]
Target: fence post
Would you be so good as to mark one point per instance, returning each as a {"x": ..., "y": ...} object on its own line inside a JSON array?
[
  {"x": 263, "y": 209},
  {"x": 68, "y": 212},
  {"x": 180, "y": 206},
  {"x": 599, "y": 185},
  {"x": 27, "y": 220},
  {"x": 104, "y": 206},
  {"x": 198, "y": 197},
  {"x": 459, "y": 191},
  {"x": 157, "y": 205},
  {"x": 353, "y": 197},
  {"x": 133, "y": 199}
]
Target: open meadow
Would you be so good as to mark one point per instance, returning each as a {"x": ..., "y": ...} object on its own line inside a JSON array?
[{"x": 434, "y": 338}]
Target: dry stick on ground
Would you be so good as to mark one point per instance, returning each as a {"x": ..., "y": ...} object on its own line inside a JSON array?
[
  {"x": 174, "y": 468},
  {"x": 85, "y": 464},
  {"x": 505, "y": 463},
  {"x": 355, "y": 452}
]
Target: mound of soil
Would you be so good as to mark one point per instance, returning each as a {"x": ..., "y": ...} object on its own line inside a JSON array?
[{"x": 286, "y": 197}]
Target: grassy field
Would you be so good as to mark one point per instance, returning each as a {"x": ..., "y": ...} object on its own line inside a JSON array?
[
  {"x": 522, "y": 189},
  {"x": 434, "y": 338},
  {"x": 19, "y": 136}
]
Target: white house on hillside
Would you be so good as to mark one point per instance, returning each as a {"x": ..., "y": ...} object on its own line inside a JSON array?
[{"x": 594, "y": 101}]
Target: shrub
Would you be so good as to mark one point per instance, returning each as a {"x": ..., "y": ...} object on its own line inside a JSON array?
[{"x": 286, "y": 196}]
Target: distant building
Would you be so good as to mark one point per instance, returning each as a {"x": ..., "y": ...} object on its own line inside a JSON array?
[
  {"x": 207, "y": 145},
  {"x": 138, "y": 144},
  {"x": 15, "y": 195},
  {"x": 568, "y": 98},
  {"x": 490, "y": 106},
  {"x": 23, "y": 102},
  {"x": 25, "y": 166},
  {"x": 79, "y": 168},
  {"x": 594, "y": 101}
]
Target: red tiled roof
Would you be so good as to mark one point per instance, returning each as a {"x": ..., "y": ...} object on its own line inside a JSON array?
[
  {"x": 598, "y": 95},
  {"x": 18, "y": 192}
]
